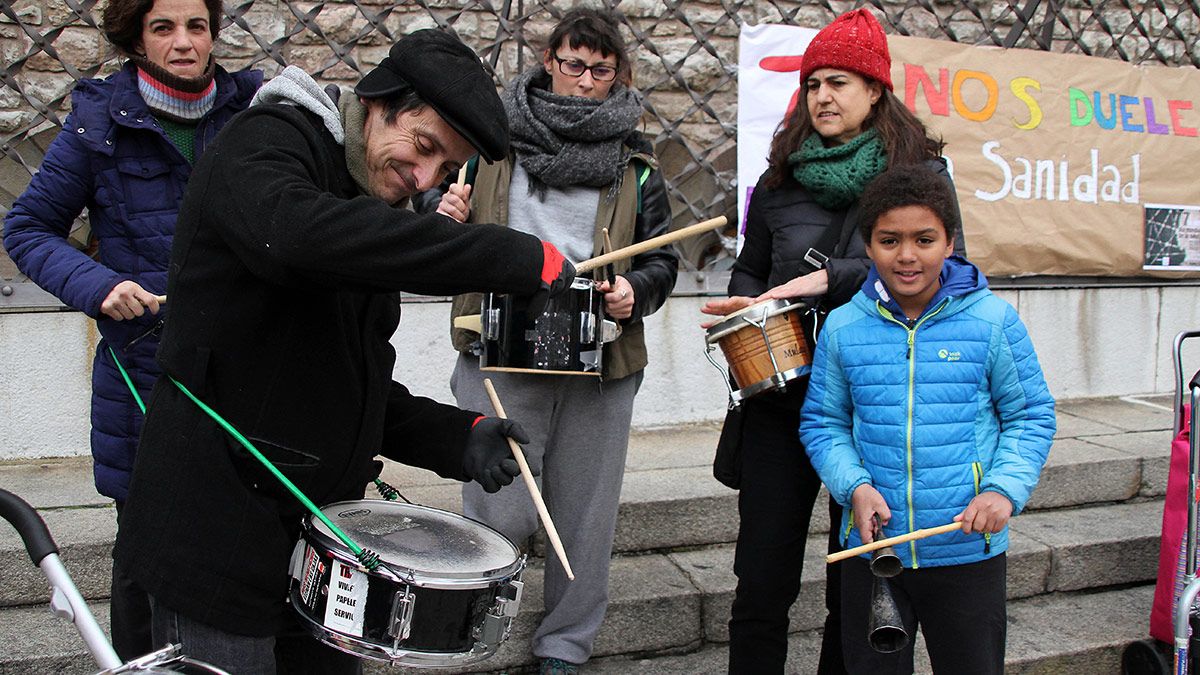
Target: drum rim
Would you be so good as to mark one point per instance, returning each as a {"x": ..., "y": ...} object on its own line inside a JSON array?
[
  {"x": 730, "y": 323},
  {"x": 404, "y": 574},
  {"x": 776, "y": 381}
]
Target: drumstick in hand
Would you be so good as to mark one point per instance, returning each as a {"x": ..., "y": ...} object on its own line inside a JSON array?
[
  {"x": 892, "y": 541},
  {"x": 462, "y": 175},
  {"x": 551, "y": 532},
  {"x": 648, "y": 245}
]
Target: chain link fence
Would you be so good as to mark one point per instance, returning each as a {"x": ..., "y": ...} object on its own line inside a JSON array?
[{"x": 685, "y": 57}]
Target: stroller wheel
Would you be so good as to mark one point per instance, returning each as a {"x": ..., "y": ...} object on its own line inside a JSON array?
[{"x": 1145, "y": 657}]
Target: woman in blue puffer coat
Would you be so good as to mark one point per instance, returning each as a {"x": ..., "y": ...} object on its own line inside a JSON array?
[{"x": 125, "y": 154}]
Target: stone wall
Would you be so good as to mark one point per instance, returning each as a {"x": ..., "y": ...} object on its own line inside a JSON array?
[
  {"x": 685, "y": 56},
  {"x": 685, "y": 51}
]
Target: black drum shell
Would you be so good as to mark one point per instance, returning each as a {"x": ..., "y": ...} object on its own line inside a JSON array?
[
  {"x": 443, "y": 619},
  {"x": 554, "y": 346}
]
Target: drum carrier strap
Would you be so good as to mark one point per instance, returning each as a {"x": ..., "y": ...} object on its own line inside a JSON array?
[{"x": 368, "y": 558}]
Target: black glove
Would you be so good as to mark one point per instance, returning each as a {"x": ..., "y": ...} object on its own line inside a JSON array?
[
  {"x": 557, "y": 275},
  {"x": 487, "y": 459}
]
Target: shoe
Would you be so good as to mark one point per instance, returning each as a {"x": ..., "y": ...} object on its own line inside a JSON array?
[{"x": 557, "y": 667}]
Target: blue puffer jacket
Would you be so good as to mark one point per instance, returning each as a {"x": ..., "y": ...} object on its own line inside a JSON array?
[
  {"x": 113, "y": 159},
  {"x": 930, "y": 415}
]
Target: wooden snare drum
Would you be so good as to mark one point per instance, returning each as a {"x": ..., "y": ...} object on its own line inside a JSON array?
[{"x": 764, "y": 346}]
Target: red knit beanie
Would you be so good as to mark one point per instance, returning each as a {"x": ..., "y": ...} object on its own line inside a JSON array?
[{"x": 854, "y": 41}]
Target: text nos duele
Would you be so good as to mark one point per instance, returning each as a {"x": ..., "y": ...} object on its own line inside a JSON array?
[{"x": 975, "y": 95}]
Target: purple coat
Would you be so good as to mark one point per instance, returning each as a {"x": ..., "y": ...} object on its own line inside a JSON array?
[{"x": 113, "y": 159}]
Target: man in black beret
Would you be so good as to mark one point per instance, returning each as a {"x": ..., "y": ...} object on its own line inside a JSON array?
[{"x": 290, "y": 252}]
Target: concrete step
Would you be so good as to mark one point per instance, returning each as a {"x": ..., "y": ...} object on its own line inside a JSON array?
[
  {"x": 1062, "y": 633},
  {"x": 32, "y": 640},
  {"x": 1063, "y": 550},
  {"x": 656, "y": 624},
  {"x": 1106, "y": 450}
]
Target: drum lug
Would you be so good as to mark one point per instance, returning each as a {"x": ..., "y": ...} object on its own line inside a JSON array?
[
  {"x": 402, "y": 614},
  {"x": 587, "y": 328},
  {"x": 509, "y": 600},
  {"x": 497, "y": 622},
  {"x": 490, "y": 322},
  {"x": 609, "y": 331}
]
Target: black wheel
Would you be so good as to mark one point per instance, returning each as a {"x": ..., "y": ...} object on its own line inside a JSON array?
[{"x": 1145, "y": 657}]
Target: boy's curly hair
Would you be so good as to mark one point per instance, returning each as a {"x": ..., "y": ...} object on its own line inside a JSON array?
[{"x": 912, "y": 185}]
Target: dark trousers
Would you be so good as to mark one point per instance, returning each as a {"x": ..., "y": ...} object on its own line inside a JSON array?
[
  {"x": 129, "y": 612},
  {"x": 960, "y": 610},
  {"x": 293, "y": 651},
  {"x": 775, "y": 503}
]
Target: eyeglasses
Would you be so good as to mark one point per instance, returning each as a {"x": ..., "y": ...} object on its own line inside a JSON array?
[{"x": 575, "y": 68}]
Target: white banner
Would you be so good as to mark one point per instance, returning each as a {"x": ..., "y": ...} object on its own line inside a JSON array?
[{"x": 768, "y": 80}]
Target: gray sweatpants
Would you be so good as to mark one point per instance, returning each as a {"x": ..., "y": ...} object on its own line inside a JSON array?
[{"x": 579, "y": 430}]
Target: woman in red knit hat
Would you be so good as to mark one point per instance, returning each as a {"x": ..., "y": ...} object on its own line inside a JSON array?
[{"x": 802, "y": 241}]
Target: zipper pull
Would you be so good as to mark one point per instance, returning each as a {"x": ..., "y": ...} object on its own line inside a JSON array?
[{"x": 987, "y": 544}]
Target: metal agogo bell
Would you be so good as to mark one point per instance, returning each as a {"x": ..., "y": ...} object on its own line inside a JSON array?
[
  {"x": 885, "y": 628},
  {"x": 885, "y": 563}
]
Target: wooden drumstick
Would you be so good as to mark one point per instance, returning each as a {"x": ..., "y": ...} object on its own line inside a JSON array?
[
  {"x": 608, "y": 273},
  {"x": 892, "y": 541},
  {"x": 162, "y": 299},
  {"x": 649, "y": 244},
  {"x": 462, "y": 175},
  {"x": 551, "y": 532}
]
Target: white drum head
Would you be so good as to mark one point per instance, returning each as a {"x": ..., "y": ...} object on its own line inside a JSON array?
[{"x": 427, "y": 541}]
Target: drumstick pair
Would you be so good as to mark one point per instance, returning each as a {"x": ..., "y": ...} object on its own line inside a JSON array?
[{"x": 538, "y": 502}]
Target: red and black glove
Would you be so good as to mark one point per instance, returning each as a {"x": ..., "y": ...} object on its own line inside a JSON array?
[
  {"x": 487, "y": 459},
  {"x": 557, "y": 275}
]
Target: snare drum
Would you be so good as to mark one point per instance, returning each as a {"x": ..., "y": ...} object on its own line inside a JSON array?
[
  {"x": 567, "y": 338},
  {"x": 764, "y": 346},
  {"x": 445, "y": 595}
]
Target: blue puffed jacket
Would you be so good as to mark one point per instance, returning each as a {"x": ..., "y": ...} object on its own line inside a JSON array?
[
  {"x": 931, "y": 412},
  {"x": 113, "y": 159}
]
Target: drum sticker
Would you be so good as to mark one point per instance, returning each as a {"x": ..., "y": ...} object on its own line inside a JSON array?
[
  {"x": 310, "y": 581},
  {"x": 347, "y": 601}
]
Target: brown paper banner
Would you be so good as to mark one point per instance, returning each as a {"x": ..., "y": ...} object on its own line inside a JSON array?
[{"x": 1064, "y": 164}]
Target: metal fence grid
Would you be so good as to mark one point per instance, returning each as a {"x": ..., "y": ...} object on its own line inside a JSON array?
[{"x": 685, "y": 59}]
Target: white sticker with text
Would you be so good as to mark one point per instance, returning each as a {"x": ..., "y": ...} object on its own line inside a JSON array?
[{"x": 347, "y": 601}]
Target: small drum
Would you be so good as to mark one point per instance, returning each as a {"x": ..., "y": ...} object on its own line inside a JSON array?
[
  {"x": 445, "y": 595},
  {"x": 567, "y": 338},
  {"x": 764, "y": 346}
]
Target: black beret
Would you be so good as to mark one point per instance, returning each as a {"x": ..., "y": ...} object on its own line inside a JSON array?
[{"x": 447, "y": 75}]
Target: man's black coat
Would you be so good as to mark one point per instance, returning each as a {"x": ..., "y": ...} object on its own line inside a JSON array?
[{"x": 283, "y": 290}]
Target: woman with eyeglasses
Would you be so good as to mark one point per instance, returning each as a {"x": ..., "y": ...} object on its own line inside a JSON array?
[
  {"x": 125, "y": 154},
  {"x": 578, "y": 166}
]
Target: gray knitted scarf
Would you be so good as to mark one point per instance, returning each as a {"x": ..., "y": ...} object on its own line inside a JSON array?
[{"x": 564, "y": 141}]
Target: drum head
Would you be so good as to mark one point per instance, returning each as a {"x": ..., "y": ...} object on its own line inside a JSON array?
[
  {"x": 759, "y": 311},
  {"x": 423, "y": 540}
]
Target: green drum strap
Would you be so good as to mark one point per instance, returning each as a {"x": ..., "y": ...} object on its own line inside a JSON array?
[
  {"x": 128, "y": 382},
  {"x": 369, "y": 559}
]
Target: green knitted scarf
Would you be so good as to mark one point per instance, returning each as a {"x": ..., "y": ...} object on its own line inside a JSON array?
[{"x": 835, "y": 176}]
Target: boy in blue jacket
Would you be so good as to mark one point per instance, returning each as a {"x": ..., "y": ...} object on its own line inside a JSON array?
[{"x": 926, "y": 405}]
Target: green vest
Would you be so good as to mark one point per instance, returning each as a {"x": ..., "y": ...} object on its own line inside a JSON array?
[{"x": 489, "y": 204}]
